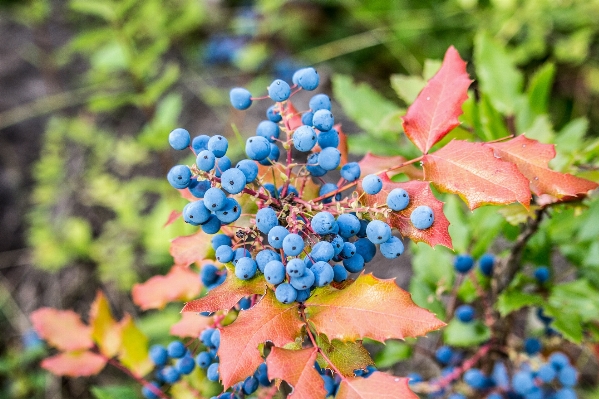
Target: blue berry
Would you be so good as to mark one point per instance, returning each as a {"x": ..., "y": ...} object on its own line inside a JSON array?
[
  {"x": 266, "y": 219},
  {"x": 220, "y": 239},
  {"x": 170, "y": 374},
  {"x": 338, "y": 244},
  {"x": 240, "y": 98},
  {"x": 274, "y": 272},
  {"x": 330, "y": 138},
  {"x": 365, "y": 248},
  {"x": 339, "y": 273},
  {"x": 349, "y": 225},
  {"x": 209, "y": 274},
  {"x": 329, "y": 385},
  {"x": 200, "y": 143},
  {"x": 206, "y": 335},
  {"x": 214, "y": 199},
  {"x": 262, "y": 375},
  {"x": 542, "y": 274},
  {"x": 265, "y": 256},
  {"x": 320, "y": 101},
  {"x": 350, "y": 171},
  {"x": 273, "y": 115},
  {"x": 354, "y": 264},
  {"x": 392, "y": 248},
  {"x": 422, "y": 217},
  {"x": 475, "y": 378},
  {"x": 304, "y": 138},
  {"x": 279, "y": 90},
  {"x": 218, "y": 145},
  {"x": 532, "y": 346},
  {"x": 303, "y": 282},
  {"x": 322, "y": 251},
  {"x": 212, "y": 372},
  {"x": 257, "y": 148},
  {"x": 230, "y": 212},
  {"x": 179, "y": 139},
  {"x": 285, "y": 293},
  {"x": 215, "y": 339},
  {"x": 372, "y": 184},
  {"x": 485, "y": 263},
  {"x": 323, "y": 223},
  {"x": 212, "y": 225},
  {"x": 276, "y": 235},
  {"x": 222, "y": 164},
  {"x": 329, "y": 188},
  {"x": 546, "y": 373},
  {"x": 273, "y": 155},
  {"x": 567, "y": 376},
  {"x": 313, "y": 166},
  {"x": 329, "y": 158},
  {"x": 245, "y": 303},
  {"x": 565, "y": 393},
  {"x": 233, "y": 181},
  {"x": 398, "y": 199},
  {"x": 463, "y": 263},
  {"x": 348, "y": 250},
  {"x": 195, "y": 213},
  {"x": 290, "y": 190},
  {"x": 307, "y": 78},
  {"x": 307, "y": 118},
  {"x": 198, "y": 188},
  {"x": 158, "y": 355},
  {"x": 249, "y": 169},
  {"x": 414, "y": 378},
  {"x": 250, "y": 385},
  {"x": 323, "y": 120},
  {"x": 522, "y": 382},
  {"x": 323, "y": 273},
  {"x": 185, "y": 365},
  {"x": 293, "y": 244},
  {"x": 558, "y": 360},
  {"x": 378, "y": 232},
  {"x": 239, "y": 254},
  {"x": 465, "y": 313},
  {"x": 148, "y": 392},
  {"x": 302, "y": 295},
  {"x": 269, "y": 130},
  {"x": 245, "y": 268},
  {"x": 179, "y": 176},
  {"x": 444, "y": 354},
  {"x": 456, "y": 396},
  {"x": 176, "y": 349},
  {"x": 206, "y": 160},
  {"x": 295, "y": 267}
]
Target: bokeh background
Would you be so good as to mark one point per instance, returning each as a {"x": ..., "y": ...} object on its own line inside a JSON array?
[{"x": 89, "y": 90}]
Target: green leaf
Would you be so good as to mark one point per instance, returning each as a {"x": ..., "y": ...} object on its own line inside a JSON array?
[
  {"x": 115, "y": 391},
  {"x": 425, "y": 295},
  {"x": 454, "y": 210},
  {"x": 467, "y": 291},
  {"x": 392, "y": 353},
  {"x": 102, "y": 9},
  {"x": 497, "y": 74},
  {"x": 569, "y": 324},
  {"x": 539, "y": 88},
  {"x": 346, "y": 356},
  {"x": 491, "y": 121},
  {"x": 407, "y": 87},
  {"x": 541, "y": 130},
  {"x": 465, "y": 334},
  {"x": 511, "y": 300},
  {"x": 578, "y": 297}
]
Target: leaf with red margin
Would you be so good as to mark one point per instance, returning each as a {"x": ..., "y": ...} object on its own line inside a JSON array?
[
  {"x": 75, "y": 364},
  {"x": 295, "y": 118},
  {"x": 190, "y": 325},
  {"x": 62, "y": 329},
  {"x": 438, "y": 106},
  {"x": 297, "y": 368},
  {"x": 172, "y": 218},
  {"x": 420, "y": 194},
  {"x": 226, "y": 295},
  {"x": 374, "y": 164},
  {"x": 187, "y": 250},
  {"x": 268, "y": 320},
  {"x": 106, "y": 331},
  {"x": 370, "y": 307},
  {"x": 180, "y": 284},
  {"x": 472, "y": 171},
  {"x": 532, "y": 159},
  {"x": 377, "y": 386}
]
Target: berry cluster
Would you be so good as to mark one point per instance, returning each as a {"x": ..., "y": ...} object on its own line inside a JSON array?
[{"x": 165, "y": 373}]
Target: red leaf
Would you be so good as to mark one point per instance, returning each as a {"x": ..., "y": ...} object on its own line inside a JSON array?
[
  {"x": 268, "y": 320},
  {"x": 420, "y": 194},
  {"x": 75, "y": 364},
  {"x": 295, "y": 118},
  {"x": 187, "y": 195},
  {"x": 172, "y": 217},
  {"x": 370, "y": 307},
  {"x": 374, "y": 164},
  {"x": 226, "y": 295},
  {"x": 297, "y": 368},
  {"x": 377, "y": 386},
  {"x": 190, "y": 325},
  {"x": 190, "y": 249},
  {"x": 438, "y": 106},
  {"x": 475, "y": 174},
  {"x": 532, "y": 159},
  {"x": 180, "y": 284},
  {"x": 342, "y": 147},
  {"x": 62, "y": 329}
]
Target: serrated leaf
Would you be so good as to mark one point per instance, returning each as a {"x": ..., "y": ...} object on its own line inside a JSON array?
[
  {"x": 180, "y": 284},
  {"x": 190, "y": 325},
  {"x": 106, "y": 331},
  {"x": 465, "y": 334},
  {"x": 226, "y": 295},
  {"x": 511, "y": 300},
  {"x": 392, "y": 353},
  {"x": 62, "y": 329},
  {"x": 187, "y": 250},
  {"x": 370, "y": 307},
  {"x": 75, "y": 364},
  {"x": 373, "y": 164},
  {"x": 269, "y": 320},
  {"x": 345, "y": 356},
  {"x": 472, "y": 171},
  {"x": 297, "y": 368},
  {"x": 438, "y": 106},
  {"x": 376, "y": 386},
  {"x": 133, "y": 352},
  {"x": 420, "y": 194},
  {"x": 407, "y": 87},
  {"x": 174, "y": 215},
  {"x": 532, "y": 159}
]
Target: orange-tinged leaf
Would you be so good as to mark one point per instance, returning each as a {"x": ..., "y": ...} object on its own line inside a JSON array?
[
  {"x": 190, "y": 325},
  {"x": 297, "y": 368},
  {"x": 472, "y": 171},
  {"x": 187, "y": 250},
  {"x": 295, "y": 118},
  {"x": 373, "y": 164},
  {"x": 62, "y": 329},
  {"x": 172, "y": 218},
  {"x": 532, "y": 159},
  {"x": 342, "y": 147},
  {"x": 438, "y": 106},
  {"x": 133, "y": 352},
  {"x": 187, "y": 195},
  {"x": 75, "y": 364},
  {"x": 180, "y": 284},
  {"x": 106, "y": 331},
  {"x": 377, "y": 386},
  {"x": 345, "y": 356},
  {"x": 226, "y": 295},
  {"x": 268, "y": 320},
  {"x": 420, "y": 194},
  {"x": 370, "y": 307}
]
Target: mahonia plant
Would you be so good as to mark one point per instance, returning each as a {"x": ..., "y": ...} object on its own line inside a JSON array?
[{"x": 287, "y": 297}]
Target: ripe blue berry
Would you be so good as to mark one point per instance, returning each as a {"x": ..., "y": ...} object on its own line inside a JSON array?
[
  {"x": 372, "y": 184},
  {"x": 218, "y": 145},
  {"x": 268, "y": 129},
  {"x": 307, "y": 118},
  {"x": 465, "y": 313},
  {"x": 206, "y": 160},
  {"x": 475, "y": 378},
  {"x": 295, "y": 267},
  {"x": 179, "y": 176},
  {"x": 257, "y": 148},
  {"x": 303, "y": 282},
  {"x": 304, "y": 138},
  {"x": 176, "y": 349},
  {"x": 233, "y": 181},
  {"x": 302, "y": 295},
  {"x": 158, "y": 355},
  {"x": 209, "y": 274},
  {"x": 222, "y": 164},
  {"x": 422, "y": 217},
  {"x": 273, "y": 115},
  {"x": 322, "y": 251},
  {"x": 279, "y": 90},
  {"x": 293, "y": 244},
  {"x": 265, "y": 256},
  {"x": 179, "y": 139},
  {"x": 274, "y": 272},
  {"x": 392, "y": 248},
  {"x": 323, "y": 223},
  {"x": 558, "y": 360},
  {"x": 241, "y": 253},
  {"x": 546, "y": 373},
  {"x": 444, "y": 355},
  {"x": 245, "y": 303},
  {"x": 200, "y": 143},
  {"x": 349, "y": 225},
  {"x": 329, "y": 158},
  {"x": 285, "y": 293},
  {"x": 245, "y": 268},
  {"x": 212, "y": 372},
  {"x": 354, "y": 264},
  {"x": 273, "y": 155},
  {"x": 220, "y": 239},
  {"x": 366, "y": 248},
  {"x": 323, "y": 120},
  {"x": 198, "y": 188},
  {"x": 266, "y": 219},
  {"x": 148, "y": 392},
  {"x": 195, "y": 213},
  {"x": 378, "y": 232},
  {"x": 215, "y": 339},
  {"x": 522, "y": 382},
  {"x": 204, "y": 359},
  {"x": 567, "y": 376},
  {"x": 250, "y": 385},
  {"x": 350, "y": 171},
  {"x": 329, "y": 138},
  {"x": 276, "y": 235},
  {"x": 320, "y": 101},
  {"x": 339, "y": 273},
  {"x": 329, "y": 188},
  {"x": 542, "y": 274},
  {"x": 313, "y": 167},
  {"x": 348, "y": 250},
  {"x": 485, "y": 263},
  {"x": 323, "y": 273},
  {"x": 307, "y": 78},
  {"x": 249, "y": 169},
  {"x": 398, "y": 199},
  {"x": 185, "y": 365},
  {"x": 214, "y": 199},
  {"x": 240, "y": 98},
  {"x": 532, "y": 346},
  {"x": 212, "y": 225},
  {"x": 463, "y": 263}
]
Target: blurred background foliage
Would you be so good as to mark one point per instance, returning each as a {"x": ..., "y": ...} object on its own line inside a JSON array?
[{"x": 99, "y": 84}]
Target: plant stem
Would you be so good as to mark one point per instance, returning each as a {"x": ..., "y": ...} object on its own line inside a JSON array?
[{"x": 141, "y": 381}]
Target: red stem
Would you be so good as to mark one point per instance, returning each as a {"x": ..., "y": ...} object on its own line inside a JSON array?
[
  {"x": 466, "y": 365},
  {"x": 141, "y": 381}
]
